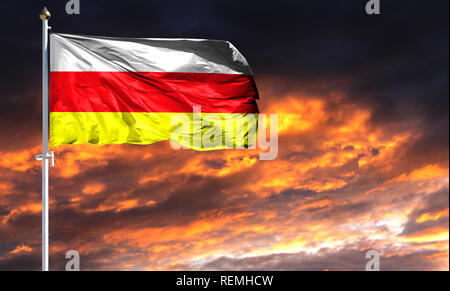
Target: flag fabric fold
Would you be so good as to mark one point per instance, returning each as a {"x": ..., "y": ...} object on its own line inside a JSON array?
[{"x": 120, "y": 90}]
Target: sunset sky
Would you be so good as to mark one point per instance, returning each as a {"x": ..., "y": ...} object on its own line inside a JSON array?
[{"x": 363, "y": 157}]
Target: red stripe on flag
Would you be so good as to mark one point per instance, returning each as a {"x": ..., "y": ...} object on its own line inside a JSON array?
[{"x": 151, "y": 92}]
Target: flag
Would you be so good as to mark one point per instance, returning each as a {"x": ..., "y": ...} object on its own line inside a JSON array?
[{"x": 198, "y": 93}]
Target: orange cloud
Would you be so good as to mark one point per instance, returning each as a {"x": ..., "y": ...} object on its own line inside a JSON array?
[
  {"x": 432, "y": 216},
  {"x": 314, "y": 197},
  {"x": 20, "y": 249},
  {"x": 425, "y": 173},
  {"x": 429, "y": 235},
  {"x": 93, "y": 188},
  {"x": 21, "y": 161}
]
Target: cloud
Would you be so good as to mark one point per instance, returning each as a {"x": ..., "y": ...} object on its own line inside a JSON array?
[
  {"x": 326, "y": 260},
  {"x": 123, "y": 207}
]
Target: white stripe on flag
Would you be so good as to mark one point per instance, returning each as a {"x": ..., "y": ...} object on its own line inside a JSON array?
[{"x": 75, "y": 53}]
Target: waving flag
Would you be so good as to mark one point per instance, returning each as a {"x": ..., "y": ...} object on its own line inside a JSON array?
[{"x": 120, "y": 90}]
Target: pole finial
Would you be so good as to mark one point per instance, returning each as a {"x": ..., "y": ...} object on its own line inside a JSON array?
[{"x": 45, "y": 14}]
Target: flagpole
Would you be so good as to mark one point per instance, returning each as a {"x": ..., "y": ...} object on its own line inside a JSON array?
[{"x": 45, "y": 156}]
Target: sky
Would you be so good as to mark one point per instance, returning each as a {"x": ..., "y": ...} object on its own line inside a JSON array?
[{"x": 363, "y": 159}]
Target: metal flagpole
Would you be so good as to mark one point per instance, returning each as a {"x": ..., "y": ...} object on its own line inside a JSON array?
[{"x": 46, "y": 155}]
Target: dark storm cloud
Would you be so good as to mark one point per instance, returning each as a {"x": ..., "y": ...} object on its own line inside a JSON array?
[
  {"x": 396, "y": 62},
  {"x": 22, "y": 262}
]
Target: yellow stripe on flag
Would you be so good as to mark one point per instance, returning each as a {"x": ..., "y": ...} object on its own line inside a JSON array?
[{"x": 191, "y": 130}]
